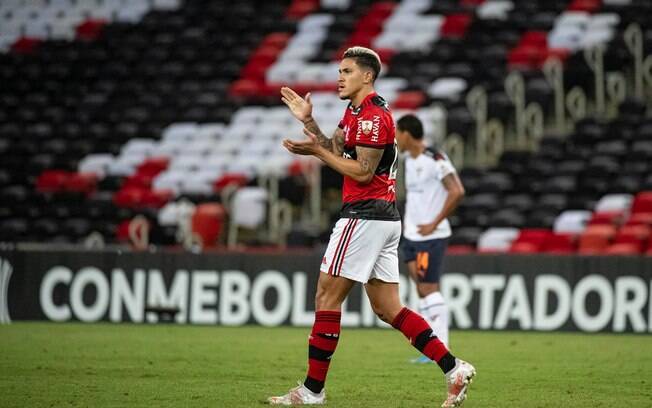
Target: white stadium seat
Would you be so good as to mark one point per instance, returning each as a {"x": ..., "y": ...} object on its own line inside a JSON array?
[
  {"x": 571, "y": 222},
  {"x": 186, "y": 162},
  {"x": 497, "y": 239},
  {"x": 447, "y": 88},
  {"x": 139, "y": 146},
  {"x": 183, "y": 130},
  {"x": 248, "y": 208},
  {"x": 614, "y": 202},
  {"x": 170, "y": 179},
  {"x": 494, "y": 10},
  {"x": 96, "y": 163}
]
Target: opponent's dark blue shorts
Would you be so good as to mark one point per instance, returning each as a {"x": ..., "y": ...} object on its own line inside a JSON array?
[{"x": 428, "y": 255}]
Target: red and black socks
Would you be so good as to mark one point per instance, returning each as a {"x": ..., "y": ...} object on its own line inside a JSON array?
[
  {"x": 322, "y": 343},
  {"x": 421, "y": 336}
]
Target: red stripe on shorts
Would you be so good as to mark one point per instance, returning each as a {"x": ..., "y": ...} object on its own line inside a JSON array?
[
  {"x": 339, "y": 269},
  {"x": 339, "y": 246}
]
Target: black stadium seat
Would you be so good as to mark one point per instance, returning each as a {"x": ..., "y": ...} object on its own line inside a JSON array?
[{"x": 68, "y": 99}]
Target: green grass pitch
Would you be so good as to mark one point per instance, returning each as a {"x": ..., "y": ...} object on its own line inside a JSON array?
[{"x": 111, "y": 365}]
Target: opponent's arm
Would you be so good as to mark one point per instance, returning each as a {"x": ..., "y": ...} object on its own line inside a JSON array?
[{"x": 453, "y": 185}]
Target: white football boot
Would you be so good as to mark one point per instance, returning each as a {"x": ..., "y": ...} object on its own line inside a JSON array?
[
  {"x": 458, "y": 381},
  {"x": 299, "y": 395}
]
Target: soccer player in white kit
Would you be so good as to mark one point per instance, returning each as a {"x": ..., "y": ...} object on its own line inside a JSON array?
[
  {"x": 363, "y": 246},
  {"x": 433, "y": 192}
]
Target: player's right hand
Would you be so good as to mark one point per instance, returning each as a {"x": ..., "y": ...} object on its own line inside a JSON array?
[{"x": 301, "y": 108}]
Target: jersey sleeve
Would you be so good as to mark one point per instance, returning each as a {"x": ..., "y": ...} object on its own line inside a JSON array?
[
  {"x": 373, "y": 130},
  {"x": 443, "y": 168}
]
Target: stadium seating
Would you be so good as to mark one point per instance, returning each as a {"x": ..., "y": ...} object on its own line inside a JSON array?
[{"x": 106, "y": 115}]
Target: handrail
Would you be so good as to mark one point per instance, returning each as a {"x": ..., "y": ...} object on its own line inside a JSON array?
[
  {"x": 454, "y": 147},
  {"x": 553, "y": 70},
  {"x": 633, "y": 37},
  {"x": 594, "y": 57}
]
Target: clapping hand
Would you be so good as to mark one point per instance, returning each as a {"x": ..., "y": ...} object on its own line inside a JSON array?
[
  {"x": 307, "y": 147},
  {"x": 301, "y": 108}
]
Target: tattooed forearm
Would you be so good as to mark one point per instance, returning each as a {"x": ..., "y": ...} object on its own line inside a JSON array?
[
  {"x": 365, "y": 164},
  {"x": 368, "y": 159},
  {"x": 312, "y": 126},
  {"x": 338, "y": 142}
]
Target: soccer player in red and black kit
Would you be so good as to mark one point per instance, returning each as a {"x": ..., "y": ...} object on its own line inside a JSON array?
[{"x": 363, "y": 246}]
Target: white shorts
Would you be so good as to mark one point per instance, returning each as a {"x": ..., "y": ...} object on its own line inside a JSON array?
[{"x": 361, "y": 250}]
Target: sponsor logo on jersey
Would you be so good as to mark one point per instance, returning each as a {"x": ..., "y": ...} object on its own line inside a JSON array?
[
  {"x": 366, "y": 126},
  {"x": 375, "y": 129}
]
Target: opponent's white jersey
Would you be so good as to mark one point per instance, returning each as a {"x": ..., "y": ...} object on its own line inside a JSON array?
[{"x": 426, "y": 193}]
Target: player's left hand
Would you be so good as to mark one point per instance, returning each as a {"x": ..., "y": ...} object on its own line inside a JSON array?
[
  {"x": 306, "y": 147},
  {"x": 426, "y": 229}
]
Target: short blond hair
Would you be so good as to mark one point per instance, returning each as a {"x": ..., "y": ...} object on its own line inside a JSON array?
[{"x": 364, "y": 57}]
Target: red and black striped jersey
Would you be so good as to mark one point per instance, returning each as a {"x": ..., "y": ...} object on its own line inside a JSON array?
[{"x": 371, "y": 125}]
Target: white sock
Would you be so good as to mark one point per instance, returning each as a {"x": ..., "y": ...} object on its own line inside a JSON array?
[{"x": 433, "y": 308}]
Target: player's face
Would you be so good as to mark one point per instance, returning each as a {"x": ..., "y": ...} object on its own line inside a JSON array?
[{"x": 351, "y": 79}]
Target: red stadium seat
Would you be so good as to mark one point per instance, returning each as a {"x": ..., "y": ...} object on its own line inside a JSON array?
[
  {"x": 524, "y": 247},
  {"x": 153, "y": 166},
  {"x": 585, "y": 5},
  {"x": 122, "y": 231},
  {"x": 81, "y": 183},
  {"x": 256, "y": 70},
  {"x": 411, "y": 100},
  {"x": 530, "y": 240},
  {"x": 129, "y": 197},
  {"x": 560, "y": 244},
  {"x": 532, "y": 51},
  {"x": 642, "y": 202},
  {"x": 25, "y": 45},
  {"x": 383, "y": 9},
  {"x": 138, "y": 197},
  {"x": 52, "y": 181},
  {"x": 596, "y": 238},
  {"x": 246, "y": 88},
  {"x": 623, "y": 249},
  {"x": 229, "y": 179},
  {"x": 460, "y": 249},
  {"x": 640, "y": 218},
  {"x": 138, "y": 180},
  {"x": 538, "y": 39},
  {"x": 156, "y": 198},
  {"x": 471, "y": 3},
  {"x": 301, "y": 8},
  {"x": 635, "y": 235},
  {"x": 386, "y": 55},
  {"x": 206, "y": 222},
  {"x": 278, "y": 40},
  {"x": 90, "y": 29},
  {"x": 606, "y": 218},
  {"x": 455, "y": 25}
]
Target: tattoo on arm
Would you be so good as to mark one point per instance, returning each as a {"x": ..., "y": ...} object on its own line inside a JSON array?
[
  {"x": 338, "y": 142},
  {"x": 312, "y": 126},
  {"x": 368, "y": 157}
]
